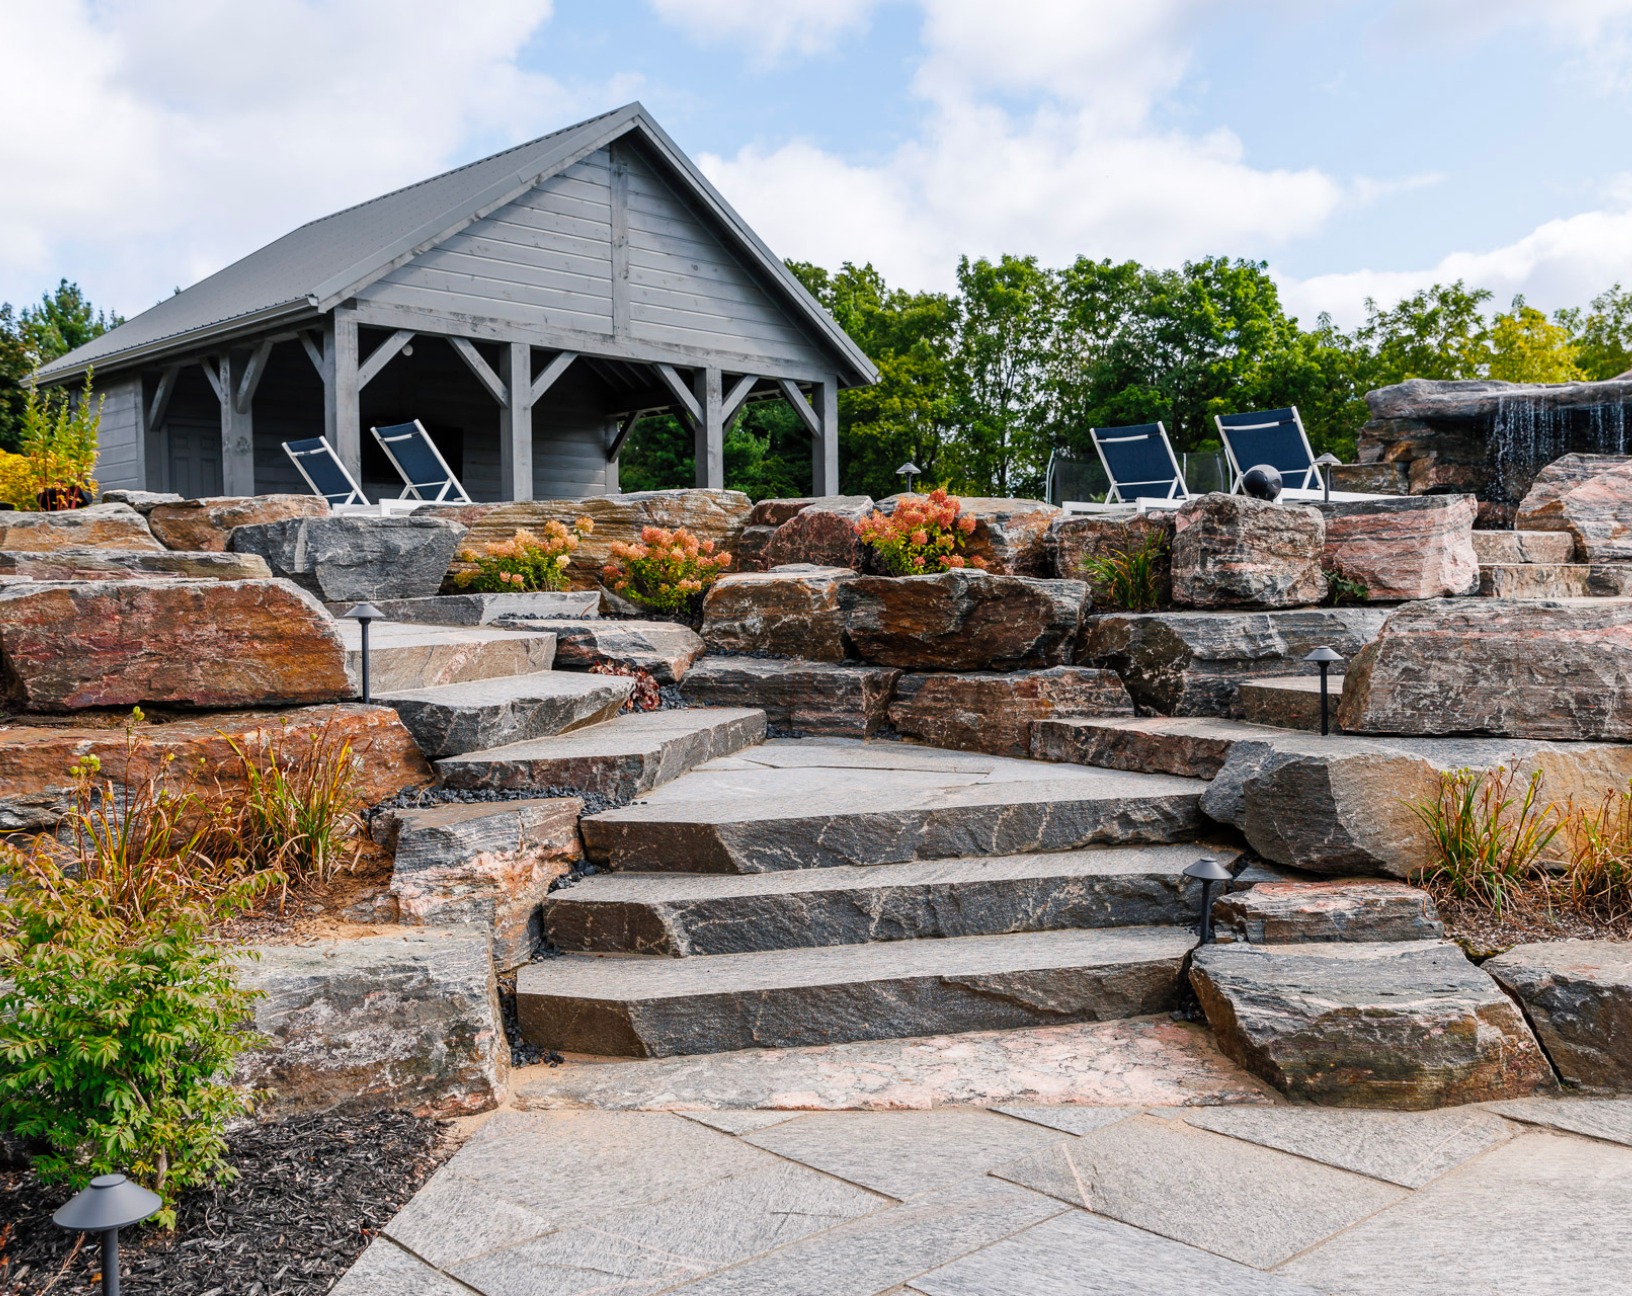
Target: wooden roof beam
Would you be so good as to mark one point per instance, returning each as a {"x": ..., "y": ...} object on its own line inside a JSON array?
[{"x": 483, "y": 371}]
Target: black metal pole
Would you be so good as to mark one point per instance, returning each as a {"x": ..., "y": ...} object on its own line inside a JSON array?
[
  {"x": 110, "y": 1262},
  {"x": 364, "y": 624},
  {"x": 1206, "y": 911},
  {"x": 1325, "y": 702}
]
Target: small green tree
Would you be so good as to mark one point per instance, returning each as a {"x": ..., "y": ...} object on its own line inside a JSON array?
[
  {"x": 1602, "y": 334},
  {"x": 59, "y": 440}
]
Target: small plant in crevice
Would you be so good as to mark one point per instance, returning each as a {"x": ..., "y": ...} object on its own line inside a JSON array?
[
  {"x": 645, "y": 696},
  {"x": 923, "y": 535},
  {"x": 1341, "y": 588},
  {"x": 1597, "y": 874},
  {"x": 1132, "y": 575},
  {"x": 1487, "y": 833}
]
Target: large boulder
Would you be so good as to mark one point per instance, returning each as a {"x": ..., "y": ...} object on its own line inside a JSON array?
[
  {"x": 520, "y": 610},
  {"x": 1404, "y": 547},
  {"x": 1073, "y": 538},
  {"x": 143, "y": 501},
  {"x": 487, "y": 865},
  {"x": 102, "y": 526},
  {"x": 1516, "y": 667},
  {"x": 995, "y": 712},
  {"x": 132, "y": 564},
  {"x": 749, "y": 555},
  {"x": 36, "y": 788},
  {"x": 1193, "y": 663},
  {"x": 1406, "y": 1024},
  {"x": 208, "y": 523},
  {"x": 1342, "y": 806},
  {"x": 377, "y": 1023},
  {"x": 822, "y": 534},
  {"x": 963, "y": 620},
  {"x": 789, "y": 612},
  {"x": 184, "y": 643},
  {"x": 1590, "y": 497},
  {"x": 1235, "y": 551},
  {"x": 1578, "y": 996},
  {"x": 1352, "y": 909},
  {"x": 716, "y": 515},
  {"x": 835, "y": 699},
  {"x": 663, "y": 649},
  {"x": 350, "y": 559},
  {"x": 1011, "y": 535}
]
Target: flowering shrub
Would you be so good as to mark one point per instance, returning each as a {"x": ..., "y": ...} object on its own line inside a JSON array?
[
  {"x": 524, "y": 562},
  {"x": 925, "y": 534},
  {"x": 668, "y": 570}
]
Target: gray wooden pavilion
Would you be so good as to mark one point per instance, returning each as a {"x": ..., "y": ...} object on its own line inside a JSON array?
[{"x": 527, "y": 308}]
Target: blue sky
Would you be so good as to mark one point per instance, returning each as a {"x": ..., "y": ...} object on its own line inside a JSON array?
[{"x": 1359, "y": 148}]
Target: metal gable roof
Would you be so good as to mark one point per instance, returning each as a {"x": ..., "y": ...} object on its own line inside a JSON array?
[{"x": 321, "y": 263}]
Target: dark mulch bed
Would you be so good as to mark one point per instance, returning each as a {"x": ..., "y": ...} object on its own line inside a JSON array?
[
  {"x": 1483, "y": 934},
  {"x": 309, "y": 1196}
]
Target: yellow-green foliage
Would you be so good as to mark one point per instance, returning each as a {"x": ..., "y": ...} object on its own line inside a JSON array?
[
  {"x": 58, "y": 443},
  {"x": 16, "y": 480},
  {"x": 1486, "y": 835}
]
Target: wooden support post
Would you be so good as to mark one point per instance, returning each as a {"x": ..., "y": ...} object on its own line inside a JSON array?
[
  {"x": 709, "y": 440},
  {"x": 237, "y": 423},
  {"x": 617, "y": 429},
  {"x": 344, "y": 419},
  {"x": 516, "y": 423},
  {"x": 824, "y": 446}
]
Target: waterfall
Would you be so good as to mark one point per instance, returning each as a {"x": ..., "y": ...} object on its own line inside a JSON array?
[{"x": 1530, "y": 431}]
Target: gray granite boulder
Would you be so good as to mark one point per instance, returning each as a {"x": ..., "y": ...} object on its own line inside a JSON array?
[
  {"x": 963, "y": 620},
  {"x": 1408, "y": 1024},
  {"x": 1353, "y": 909},
  {"x": 451, "y": 719},
  {"x": 132, "y": 564},
  {"x": 355, "y": 558},
  {"x": 1578, "y": 996},
  {"x": 377, "y": 1023},
  {"x": 838, "y": 699},
  {"x": 487, "y": 865},
  {"x": 663, "y": 649},
  {"x": 1236, "y": 551}
]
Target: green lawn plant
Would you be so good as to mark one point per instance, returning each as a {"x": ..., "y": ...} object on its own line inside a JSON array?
[
  {"x": 1487, "y": 833},
  {"x": 120, "y": 1016}
]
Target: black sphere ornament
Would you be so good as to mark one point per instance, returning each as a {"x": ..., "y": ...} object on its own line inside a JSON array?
[{"x": 1261, "y": 481}]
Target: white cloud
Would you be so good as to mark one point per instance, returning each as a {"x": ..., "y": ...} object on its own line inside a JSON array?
[
  {"x": 173, "y": 138},
  {"x": 771, "y": 30},
  {"x": 1598, "y": 32},
  {"x": 1076, "y": 167},
  {"x": 1563, "y": 262}
]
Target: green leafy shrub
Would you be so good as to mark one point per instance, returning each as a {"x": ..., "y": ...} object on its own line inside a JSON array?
[
  {"x": 1342, "y": 588},
  {"x": 1486, "y": 837},
  {"x": 1132, "y": 575},
  {"x": 122, "y": 1018},
  {"x": 526, "y": 561},
  {"x": 667, "y": 570},
  {"x": 925, "y": 534},
  {"x": 58, "y": 442}
]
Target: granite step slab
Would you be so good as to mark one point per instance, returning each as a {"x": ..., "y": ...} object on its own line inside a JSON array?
[
  {"x": 655, "y": 1007},
  {"x": 663, "y": 649},
  {"x": 706, "y": 914},
  {"x": 450, "y": 719},
  {"x": 1290, "y": 702},
  {"x": 1535, "y": 580},
  {"x": 811, "y": 804},
  {"x": 483, "y": 609},
  {"x": 1505, "y": 547},
  {"x": 619, "y": 758},
  {"x": 404, "y": 655},
  {"x": 1186, "y": 746}
]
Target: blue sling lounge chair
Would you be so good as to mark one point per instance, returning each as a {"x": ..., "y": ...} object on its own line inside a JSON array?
[{"x": 424, "y": 471}]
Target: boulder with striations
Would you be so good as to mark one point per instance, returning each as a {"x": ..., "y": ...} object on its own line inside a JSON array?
[
  {"x": 350, "y": 559},
  {"x": 994, "y": 712},
  {"x": 1588, "y": 496},
  {"x": 1235, "y": 551},
  {"x": 1348, "y": 909},
  {"x": 101, "y": 526},
  {"x": 835, "y": 699},
  {"x": 208, "y": 523},
  {"x": 1404, "y": 547},
  {"x": 1074, "y": 538},
  {"x": 822, "y": 534},
  {"x": 132, "y": 564},
  {"x": 1578, "y": 996},
  {"x": 963, "y": 620},
  {"x": 790, "y": 611}
]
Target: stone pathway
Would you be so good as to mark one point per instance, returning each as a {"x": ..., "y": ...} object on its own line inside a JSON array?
[{"x": 1511, "y": 1199}]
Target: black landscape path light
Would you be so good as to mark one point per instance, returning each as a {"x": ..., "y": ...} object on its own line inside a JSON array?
[
  {"x": 1208, "y": 871},
  {"x": 1328, "y": 462},
  {"x": 1324, "y": 657},
  {"x": 362, "y": 614},
  {"x": 111, "y": 1203},
  {"x": 907, "y": 472}
]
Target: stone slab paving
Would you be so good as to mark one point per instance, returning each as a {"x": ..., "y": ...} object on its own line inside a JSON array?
[
  {"x": 1082, "y": 1201},
  {"x": 1136, "y": 1062},
  {"x": 402, "y": 655},
  {"x": 1604, "y": 1118}
]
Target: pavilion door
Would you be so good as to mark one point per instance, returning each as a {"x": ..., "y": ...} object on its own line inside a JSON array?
[{"x": 194, "y": 458}]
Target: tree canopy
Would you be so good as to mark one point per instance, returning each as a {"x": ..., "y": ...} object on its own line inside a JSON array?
[{"x": 36, "y": 335}]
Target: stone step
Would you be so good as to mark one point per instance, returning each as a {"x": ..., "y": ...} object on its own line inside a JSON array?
[
  {"x": 1533, "y": 580},
  {"x": 403, "y": 655},
  {"x": 708, "y": 914},
  {"x": 619, "y": 759},
  {"x": 483, "y": 609},
  {"x": 657, "y": 1007},
  {"x": 1185, "y": 746},
  {"x": 1503, "y": 547},
  {"x": 664, "y": 649},
  {"x": 450, "y": 719},
  {"x": 822, "y": 802},
  {"x": 1289, "y": 701}
]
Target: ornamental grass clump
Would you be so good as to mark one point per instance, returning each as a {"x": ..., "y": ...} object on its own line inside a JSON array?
[
  {"x": 120, "y": 1018},
  {"x": 525, "y": 562},
  {"x": 1486, "y": 835},
  {"x": 1132, "y": 575},
  {"x": 925, "y": 534},
  {"x": 1597, "y": 876},
  {"x": 666, "y": 570}
]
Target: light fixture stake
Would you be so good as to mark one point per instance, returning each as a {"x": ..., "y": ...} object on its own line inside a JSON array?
[
  {"x": 1208, "y": 871},
  {"x": 111, "y": 1203},
  {"x": 1324, "y": 657},
  {"x": 362, "y": 614}
]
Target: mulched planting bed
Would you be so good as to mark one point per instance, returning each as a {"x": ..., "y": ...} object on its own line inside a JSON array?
[
  {"x": 1483, "y": 934},
  {"x": 310, "y": 1195}
]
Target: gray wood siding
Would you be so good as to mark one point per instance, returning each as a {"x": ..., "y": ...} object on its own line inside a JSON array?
[
  {"x": 121, "y": 461},
  {"x": 544, "y": 260},
  {"x": 569, "y": 439}
]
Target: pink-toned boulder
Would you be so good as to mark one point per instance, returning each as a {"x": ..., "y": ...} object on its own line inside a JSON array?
[
  {"x": 1404, "y": 547},
  {"x": 206, "y": 524},
  {"x": 823, "y": 534},
  {"x": 751, "y": 546},
  {"x": 1591, "y": 498},
  {"x": 1232, "y": 551},
  {"x": 790, "y": 612},
  {"x": 1075, "y": 538},
  {"x": 102, "y": 526},
  {"x": 191, "y": 643},
  {"x": 994, "y": 712},
  {"x": 963, "y": 620}
]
